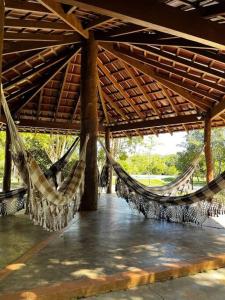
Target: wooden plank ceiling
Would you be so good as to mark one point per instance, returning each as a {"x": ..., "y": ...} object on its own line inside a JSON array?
[{"x": 161, "y": 64}]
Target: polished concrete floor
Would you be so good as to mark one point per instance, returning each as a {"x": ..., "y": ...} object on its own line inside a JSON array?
[
  {"x": 204, "y": 286},
  {"x": 107, "y": 241},
  {"x": 17, "y": 235}
]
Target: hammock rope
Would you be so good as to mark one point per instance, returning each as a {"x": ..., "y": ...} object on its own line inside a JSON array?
[{"x": 48, "y": 207}]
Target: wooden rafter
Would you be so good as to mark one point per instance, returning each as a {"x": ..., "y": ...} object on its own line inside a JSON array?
[
  {"x": 75, "y": 109},
  {"x": 102, "y": 100},
  {"x": 218, "y": 109},
  {"x": 140, "y": 87},
  {"x": 115, "y": 106},
  {"x": 74, "y": 38},
  {"x": 23, "y": 46},
  {"x": 98, "y": 22},
  {"x": 20, "y": 23},
  {"x": 169, "y": 99},
  {"x": 69, "y": 19},
  {"x": 182, "y": 74},
  {"x": 143, "y": 38},
  {"x": 59, "y": 98},
  {"x": 173, "y": 121},
  {"x": 150, "y": 72},
  {"x": 120, "y": 89},
  {"x": 22, "y": 6},
  {"x": 161, "y": 17},
  {"x": 44, "y": 80},
  {"x": 12, "y": 65},
  {"x": 188, "y": 63},
  {"x": 28, "y": 75},
  {"x": 39, "y": 104}
]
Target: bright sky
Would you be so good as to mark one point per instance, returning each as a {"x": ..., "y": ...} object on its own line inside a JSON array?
[{"x": 167, "y": 144}]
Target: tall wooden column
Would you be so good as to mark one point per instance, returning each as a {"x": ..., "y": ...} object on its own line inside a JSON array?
[
  {"x": 89, "y": 121},
  {"x": 108, "y": 148},
  {"x": 208, "y": 150},
  {"x": 8, "y": 163}
]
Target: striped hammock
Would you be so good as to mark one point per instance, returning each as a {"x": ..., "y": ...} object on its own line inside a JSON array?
[
  {"x": 14, "y": 200},
  {"x": 49, "y": 207},
  {"x": 151, "y": 204}
]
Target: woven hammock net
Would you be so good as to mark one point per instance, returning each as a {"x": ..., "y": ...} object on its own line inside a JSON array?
[
  {"x": 48, "y": 206},
  {"x": 194, "y": 207}
]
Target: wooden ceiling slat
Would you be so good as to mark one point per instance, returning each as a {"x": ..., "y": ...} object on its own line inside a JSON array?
[
  {"x": 180, "y": 60},
  {"x": 120, "y": 89},
  {"x": 150, "y": 72},
  {"x": 142, "y": 90},
  {"x": 44, "y": 80}
]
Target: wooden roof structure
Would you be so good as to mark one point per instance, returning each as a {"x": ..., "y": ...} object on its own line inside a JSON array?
[{"x": 161, "y": 64}]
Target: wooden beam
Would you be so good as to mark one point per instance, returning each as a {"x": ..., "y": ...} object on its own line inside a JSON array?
[
  {"x": 169, "y": 99},
  {"x": 32, "y": 72},
  {"x": 149, "y": 71},
  {"x": 180, "y": 60},
  {"x": 141, "y": 88},
  {"x": 124, "y": 94},
  {"x": 102, "y": 100},
  {"x": 97, "y": 22},
  {"x": 143, "y": 38},
  {"x": 25, "y": 6},
  {"x": 23, "y": 46},
  {"x": 115, "y": 106},
  {"x": 180, "y": 73},
  {"x": 59, "y": 98},
  {"x": 160, "y": 17},
  {"x": 75, "y": 109},
  {"x": 40, "y": 124},
  {"x": 89, "y": 121},
  {"x": 15, "y": 63},
  {"x": 208, "y": 150},
  {"x": 20, "y": 23},
  {"x": 39, "y": 104},
  {"x": 218, "y": 109},
  {"x": 45, "y": 37},
  {"x": 173, "y": 121},
  {"x": 70, "y": 19}
]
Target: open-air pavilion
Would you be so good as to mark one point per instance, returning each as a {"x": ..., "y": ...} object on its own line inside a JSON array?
[{"x": 107, "y": 69}]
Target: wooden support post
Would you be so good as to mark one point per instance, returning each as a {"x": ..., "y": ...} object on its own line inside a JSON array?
[
  {"x": 8, "y": 163},
  {"x": 89, "y": 121},
  {"x": 208, "y": 150},
  {"x": 108, "y": 148}
]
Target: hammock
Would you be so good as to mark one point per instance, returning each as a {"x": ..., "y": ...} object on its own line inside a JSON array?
[
  {"x": 14, "y": 200},
  {"x": 182, "y": 183},
  {"x": 48, "y": 207},
  {"x": 159, "y": 206}
]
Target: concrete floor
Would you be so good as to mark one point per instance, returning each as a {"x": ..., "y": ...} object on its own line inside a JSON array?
[
  {"x": 17, "y": 235},
  {"x": 105, "y": 242},
  {"x": 204, "y": 286}
]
